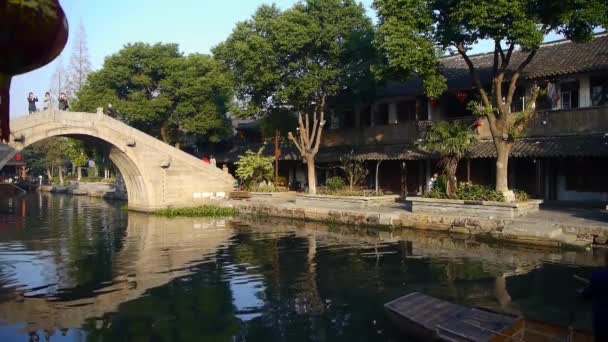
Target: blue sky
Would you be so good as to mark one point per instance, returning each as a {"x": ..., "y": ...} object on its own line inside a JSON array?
[{"x": 196, "y": 25}]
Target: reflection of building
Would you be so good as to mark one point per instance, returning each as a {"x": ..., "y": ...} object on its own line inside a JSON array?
[{"x": 562, "y": 157}]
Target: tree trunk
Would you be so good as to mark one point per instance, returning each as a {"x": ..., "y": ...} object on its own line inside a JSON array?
[
  {"x": 503, "y": 148},
  {"x": 61, "y": 181},
  {"x": 79, "y": 171},
  {"x": 49, "y": 174},
  {"x": 312, "y": 176},
  {"x": 450, "y": 170},
  {"x": 164, "y": 134}
]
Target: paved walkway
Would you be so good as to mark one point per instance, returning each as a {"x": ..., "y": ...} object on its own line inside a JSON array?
[{"x": 550, "y": 226}]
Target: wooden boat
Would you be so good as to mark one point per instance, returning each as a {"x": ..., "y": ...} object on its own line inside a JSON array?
[
  {"x": 10, "y": 189},
  {"x": 430, "y": 319}
]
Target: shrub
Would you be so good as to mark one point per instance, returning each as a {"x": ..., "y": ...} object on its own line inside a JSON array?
[
  {"x": 354, "y": 169},
  {"x": 335, "y": 183},
  {"x": 466, "y": 192},
  {"x": 476, "y": 192},
  {"x": 204, "y": 211},
  {"x": 254, "y": 168},
  {"x": 268, "y": 188},
  {"x": 521, "y": 196}
]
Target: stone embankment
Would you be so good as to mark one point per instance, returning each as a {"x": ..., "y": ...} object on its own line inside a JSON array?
[
  {"x": 101, "y": 190},
  {"x": 558, "y": 227}
]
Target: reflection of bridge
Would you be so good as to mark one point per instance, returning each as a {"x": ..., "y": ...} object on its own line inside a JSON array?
[
  {"x": 156, "y": 175},
  {"x": 151, "y": 257}
]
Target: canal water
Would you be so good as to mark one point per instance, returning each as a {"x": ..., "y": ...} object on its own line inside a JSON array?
[{"x": 83, "y": 269}]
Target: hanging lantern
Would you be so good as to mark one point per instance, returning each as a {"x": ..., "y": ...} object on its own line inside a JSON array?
[
  {"x": 434, "y": 103},
  {"x": 478, "y": 123},
  {"x": 33, "y": 34},
  {"x": 461, "y": 96},
  {"x": 18, "y": 157}
]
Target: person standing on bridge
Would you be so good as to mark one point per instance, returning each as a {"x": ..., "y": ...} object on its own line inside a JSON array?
[
  {"x": 31, "y": 103},
  {"x": 48, "y": 101},
  {"x": 63, "y": 102}
]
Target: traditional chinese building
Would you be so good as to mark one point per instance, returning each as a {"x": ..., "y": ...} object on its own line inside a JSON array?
[
  {"x": 563, "y": 155},
  {"x": 14, "y": 168}
]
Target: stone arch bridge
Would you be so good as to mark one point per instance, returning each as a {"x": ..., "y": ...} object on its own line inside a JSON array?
[{"x": 156, "y": 175}]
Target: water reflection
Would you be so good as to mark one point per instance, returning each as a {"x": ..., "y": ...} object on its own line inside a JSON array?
[{"x": 84, "y": 269}]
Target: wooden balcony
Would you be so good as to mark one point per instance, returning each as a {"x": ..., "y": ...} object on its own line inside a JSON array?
[{"x": 578, "y": 121}]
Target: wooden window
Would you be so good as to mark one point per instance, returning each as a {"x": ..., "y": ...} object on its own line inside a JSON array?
[
  {"x": 381, "y": 114},
  {"x": 599, "y": 91},
  {"x": 406, "y": 111}
]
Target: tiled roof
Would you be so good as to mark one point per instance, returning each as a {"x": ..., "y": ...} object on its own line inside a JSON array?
[
  {"x": 580, "y": 146},
  {"x": 552, "y": 59},
  {"x": 573, "y": 146}
]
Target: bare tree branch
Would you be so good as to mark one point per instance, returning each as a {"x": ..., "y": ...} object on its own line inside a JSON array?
[
  {"x": 474, "y": 74},
  {"x": 516, "y": 75},
  {"x": 321, "y": 125}
]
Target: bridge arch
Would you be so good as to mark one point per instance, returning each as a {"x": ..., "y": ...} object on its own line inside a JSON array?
[
  {"x": 132, "y": 174},
  {"x": 156, "y": 175}
]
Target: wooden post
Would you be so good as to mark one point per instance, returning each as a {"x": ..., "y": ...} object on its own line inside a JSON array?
[
  {"x": 277, "y": 155},
  {"x": 404, "y": 179},
  {"x": 468, "y": 170},
  {"x": 377, "y": 177}
]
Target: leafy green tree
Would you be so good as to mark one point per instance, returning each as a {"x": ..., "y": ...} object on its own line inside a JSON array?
[
  {"x": 76, "y": 152},
  {"x": 298, "y": 59},
  {"x": 50, "y": 155},
  {"x": 354, "y": 169},
  {"x": 413, "y": 34},
  {"x": 159, "y": 91},
  {"x": 253, "y": 168},
  {"x": 200, "y": 90},
  {"x": 451, "y": 141}
]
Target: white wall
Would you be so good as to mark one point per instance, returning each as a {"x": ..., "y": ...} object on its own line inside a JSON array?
[{"x": 566, "y": 195}]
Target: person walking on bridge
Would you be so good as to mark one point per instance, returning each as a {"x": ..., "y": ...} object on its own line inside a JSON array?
[{"x": 31, "y": 103}]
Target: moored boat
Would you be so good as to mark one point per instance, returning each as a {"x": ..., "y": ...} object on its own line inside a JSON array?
[{"x": 431, "y": 319}]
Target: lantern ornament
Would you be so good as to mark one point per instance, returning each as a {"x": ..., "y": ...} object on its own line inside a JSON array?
[
  {"x": 33, "y": 34},
  {"x": 461, "y": 96},
  {"x": 18, "y": 157},
  {"x": 478, "y": 123},
  {"x": 434, "y": 103}
]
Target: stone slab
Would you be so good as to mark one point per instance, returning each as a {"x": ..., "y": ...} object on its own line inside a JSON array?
[{"x": 473, "y": 208}]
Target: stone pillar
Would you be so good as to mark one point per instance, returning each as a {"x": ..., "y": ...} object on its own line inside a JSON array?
[
  {"x": 392, "y": 113},
  {"x": 427, "y": 174},
  {"x": 584, "y": 92},
  {"x": 372, "y": 115},
  {"x": 121, "y": 188}
]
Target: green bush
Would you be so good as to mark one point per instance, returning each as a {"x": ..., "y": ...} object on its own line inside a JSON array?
[
  {"x": 204, "y": 211},
  {"x": 465, "y": 192},
  {"x": 347, "y": 192},
  {"x": 254, "y": 168},
  {"x": 268, "y": 188},
  {"x": 335, "y": 184},
  {"x": 476, "y": 192},
  {"x": 521, "y": 196}
]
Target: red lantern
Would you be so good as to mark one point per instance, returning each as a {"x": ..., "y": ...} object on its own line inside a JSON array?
[
  {"x": 478, "y": 123},
  {"x": 33, "y": 34},
  {"x": 434, "y": 103},
  {"x": 18, "y": 157},
  {"x": 461, "y": 96}
]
